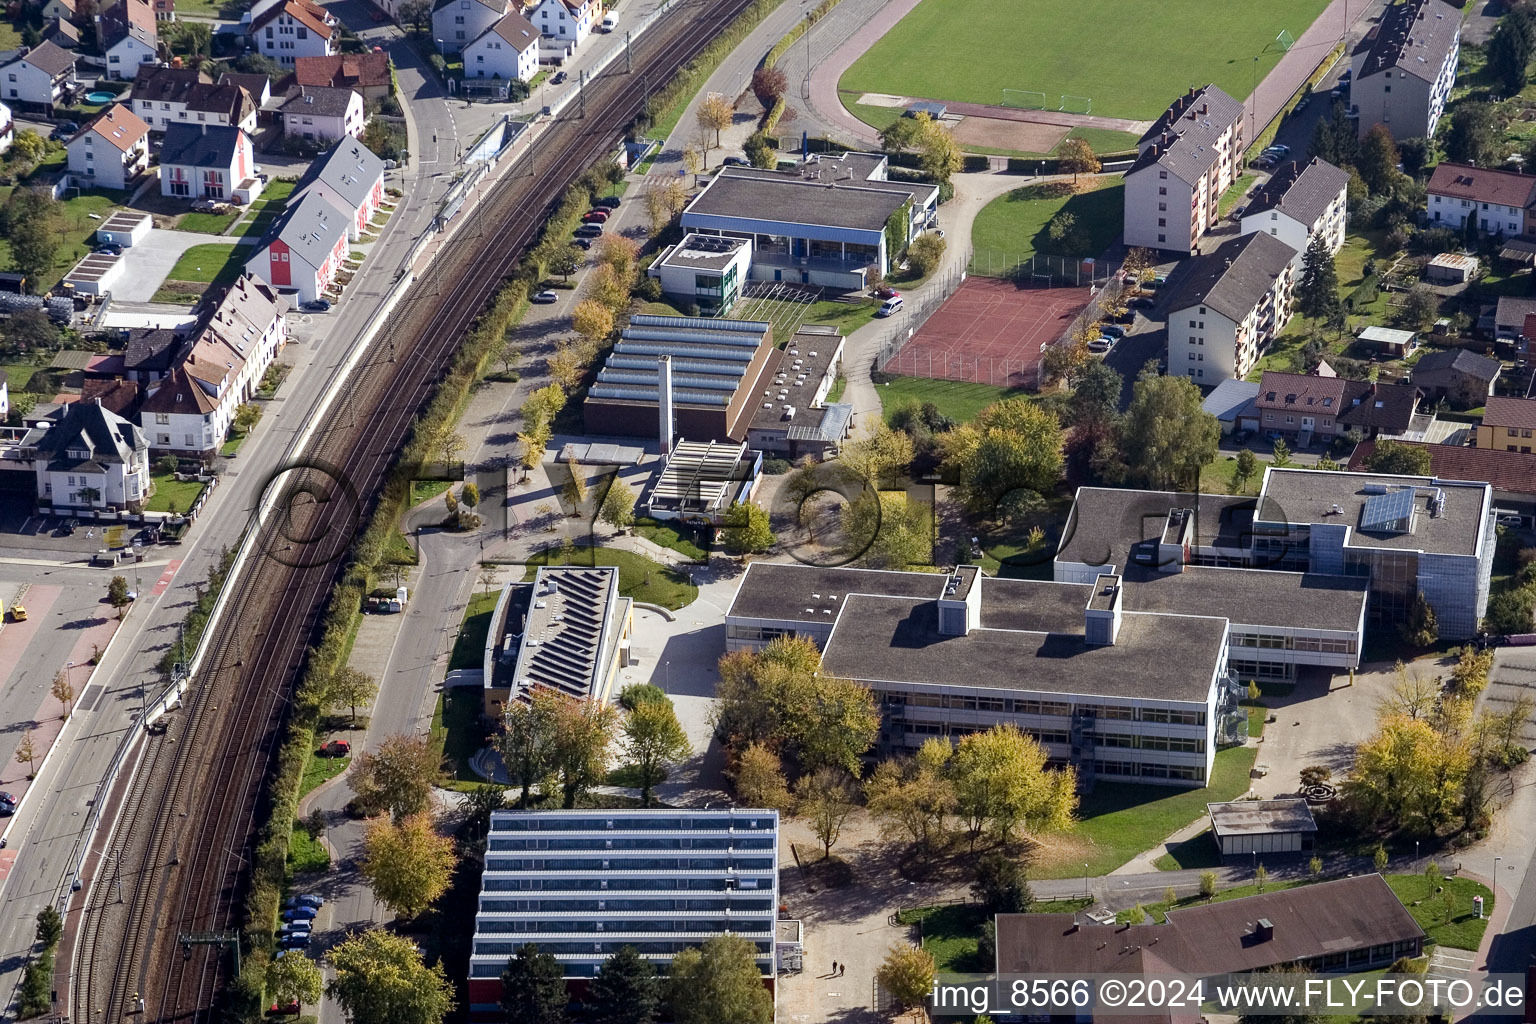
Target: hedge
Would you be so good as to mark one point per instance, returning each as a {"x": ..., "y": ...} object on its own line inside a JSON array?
[
  {"x": 1364, "y": 294},
  {"x": 813, "y": 144},
  {"x": 771, "y": 119},
  {"x": 781, "y": 47},
  {"x": 1029, "y": 165},
  {"x": 976, "y": 163},
  {"x": 691, "y": 75}
]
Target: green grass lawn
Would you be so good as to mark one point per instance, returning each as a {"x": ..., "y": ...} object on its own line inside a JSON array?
[
  {"x": 1454, "y": 926},
  {"x": 169, "y": 490},
  {"x": 639, "y": 578},
  {"x": 1093, "y": 48},
  {"x": 1012, "y": 228},
  {"x": 469, "y": 647},
  {"x": 1235, "y": 191},
  {"x": 950, "y": 932},
  {"x": 10, "y": 35},
  {"x": 213, "y": 263},
  {"x": 960, "y": 400},
  {"x": 207, "y": 223},
  {"x": 321, "y": 769},
  {"x": 77, "y": 234},
  {"x": 17, "y": 375},
  {"x": 456, "y": 728},
  {"x": 306, "y": 854},
  {"x": 1119, "y": 820},
  {"x": 1218, "y": 477},
  {"x": 426, "y": 490},
  {"x": 260, "y": 214},
  {"x": 667, "y": 536}
]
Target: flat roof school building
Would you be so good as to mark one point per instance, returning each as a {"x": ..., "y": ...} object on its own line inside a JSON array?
[{"x": 582, "y": 884}]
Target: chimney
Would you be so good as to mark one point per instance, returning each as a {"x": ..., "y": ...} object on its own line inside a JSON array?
[
  {"x": 1101, "y": 619},
  {"x": 1204, "y": 109},
  {"x": 1263, "y": 931},
  {"x": 664, "y": 401}
]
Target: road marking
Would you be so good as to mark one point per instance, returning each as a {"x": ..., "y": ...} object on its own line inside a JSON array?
[{"x": 166, "y": 577}]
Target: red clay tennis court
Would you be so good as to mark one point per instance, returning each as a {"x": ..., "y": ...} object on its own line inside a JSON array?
[{"x": 990, "y": 331}]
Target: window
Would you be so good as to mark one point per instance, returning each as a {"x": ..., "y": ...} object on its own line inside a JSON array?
[
  {"x": 1162, "y": 206},
  {"x": 1290, "y": 419},
  {"x": 1162, "y": 222},
  {"x": 1162, "y": 174},
  {"x": 1162, "y": 191},
  {"x": 162, "y": 419},
  {"x": 1162, "y": 238}
]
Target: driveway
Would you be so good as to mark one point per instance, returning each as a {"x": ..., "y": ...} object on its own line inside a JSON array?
[
  {"x": 150, "y": 261},
  {"x": 1321, "y": 721}
]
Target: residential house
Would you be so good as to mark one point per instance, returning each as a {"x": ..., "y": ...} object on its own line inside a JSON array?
[
  {"x": 129, "y": 47},
  {"x": 165, "y": 10},
  {"x": 62, "y": 10},
  {"x": 118, "y": 396},
  {"x": 1304, "y": 406},
  {"x": 1498, "y": 202},
  {"x": 1299, "y": 204},
  {"x": 1460, "y": 376},
  {"x": 351, "y": 178},
  {"x": 39, "y": 77},
  {"x": 566, "y": 22},
  {"x": 203, "y": 161},
  {"x": 62, "y": 34},
  {"x": 1509, "y": 424},
  {"x": 507, "y": 50},
  {"x": 457, "y": 23},
  {"x": 112, "y": 150},
  {"x": 1377, "y": 410},
  {"x": 1352, "y": 924},
  {"x": 1185, "y": 163},
  {"x": 150, "y": 353},
  {"x": 1234, "y": 404},
  {"x": 1404, "y": 68},
  {"x": 364, "y": 73},
  {"x": 258, "y": 86},
  {"x": 1511, "y": 474},
  {"x": 167, "y": 96},
  {"x": 1510, "y": 317},
  {"x": 304, "y": 249},
  {"x": 322, "y": 115},
  {"x": 7, "y": 128},
  {"x": 291, "y": 29},
  {"x": 88, "y": 457},
  {"x": 1228, "y": 306}
]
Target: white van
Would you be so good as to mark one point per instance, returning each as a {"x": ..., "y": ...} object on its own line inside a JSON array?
[
  {"x": 890, "y": 306},
  {"x": 610, "y": 21}
]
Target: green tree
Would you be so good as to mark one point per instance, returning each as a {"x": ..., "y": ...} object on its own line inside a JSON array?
[
  {"x": 911, "y": 797},
  {"x": 1475, "y": 134},
  {"x": 626, "y": 990},
  {"x": 1281, "y": 455},
  {"x": 758, "y": 151},
  {"x": 826, "y": 798},
  {"x": 887, "y": 530},
  {"x": 581, "y": 745},
  {"x": 34, "y": 247},
  {"x": 1398, "y": 458},
  {"x": 117, "y": 594},
  {"x": 28, "y": 330},
  {"x": 906, "y": 974},
  {"x": 469, "y": 494},
  {"x": 1260, "y": 877},
  {"x": 1011, "y": 446},
  {"x": 294, "y": 977},
  {"x": 759, "y": 778},
  {"x": 1379, "y": 858},
  {"x": 618, "y": 508},
  {"x": 1166, "y": 436},
  {"x": 1346, "y": 145},
  {"x": 1000, "y": 885},
  {"x": 1509, "y": 56},
  {"x": 247, "y": 414},
  {"x": 655, "y": 743},
  {"x": 1136, "y": 915},
  {"x": 747, "y": 528},
  {"x": 533, "y": 987},
  {"x": 719, "y": 982},
  {"x": 1096, "y": 388},
  {"x": 836, "y": 726},
  {"x": 1419, "y": 307},
  {"x": 398, "y": 776},
  {"x": 926, "y": 252},
  {"x": 1378, "y": 160},
  {"x": 406, "y": 863},
  {"x": 565, "y": 260},
  {"x": 50, "y": 927},
  {"x": 1002, "y": 784},
  {"x": 1315, "y": 867},
  {"x": 416, "y": 14},
  {"x": 349, "y": 688},
  {"x": 1247, "y": 466},
  {"x": 379, "y": 978},
  {"x": 527, "y": 740},
  {"x": 1422, "y": 628},
  {"x": 1317, "y": 293},
  {"x": 1208, "y": 884},
  {"x": 1406, "y": 775},
  {"x": 1076, "y": 155},
  {"x": 902, "y": 134}
]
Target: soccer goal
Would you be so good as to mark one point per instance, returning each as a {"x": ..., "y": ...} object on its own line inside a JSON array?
[
  {"x": 1023, "y": 99},
  {"x": 1076, "y": 104}
]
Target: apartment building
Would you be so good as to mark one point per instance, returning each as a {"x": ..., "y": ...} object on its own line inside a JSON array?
[
  {"x": 1497, "y": 202},
  {"x": 1185, "y": 162},
  {"x": 322, "y": 114},
  {"x": 111, "y": 151},
  {"x": 1229, "y": 304},
  {"x": 584, "y": 884},
  {"x": 1300, "y": 203},
  {"x": 208, "y": 161},
  {"x": 167, "y": 96},
  {"x": 1509, "y": 424},
  {"x": 457, "y": 23},
  {"x": 507, "y": 50},
  {"x": 1405, "y": 67}
]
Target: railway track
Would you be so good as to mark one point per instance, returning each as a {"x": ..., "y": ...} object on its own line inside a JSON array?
[{"x": 178, "y": 851}]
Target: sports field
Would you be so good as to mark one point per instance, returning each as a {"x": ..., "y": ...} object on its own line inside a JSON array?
[{"x": 1130, "y": 58}]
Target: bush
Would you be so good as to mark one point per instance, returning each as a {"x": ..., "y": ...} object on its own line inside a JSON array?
[
  {"x": 649, "y": 289},
  {"x": 1364, "y": 294},
  {"x": 36, "y": 987},
  {"x": 976, "y": 164},
  {"x": 776, "y": 467}
]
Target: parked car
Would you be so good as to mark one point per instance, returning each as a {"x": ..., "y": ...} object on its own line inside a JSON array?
[
  {"x": 316, "y": 306},
  {"x": 110, "y": 249},
  {"x": 1302, "y": 103},
  {"x": 736, "y": 161},
  {"x": 296, "y": 928},
  {"x": 885, "y": 291},
  {"x": 1280, "y": 148},
  {"x": 1099, "y": 345},
  {"x": 304, "y": 900},
  {"x": 1112, "y": 331},
  {"x": 595, "y": 217},
  {"x": 209, "y": 206},
  {"x": 589, "y": 231},
  {"x": 291, "y": 1007},
  {"x": 7, "y": 805},
  {"x": 336, "y": 748},
  {"x": 559, "y": 78},
  {"x": 890, "y": 307},
  {"x": 297, "y": 940},
  {"x": 1140, "y": 302},
  {"x": 295, "y": 914},
  {"x": 582, "y": 243},
  {"x": 65, "y": 129},
  {"x": 608, "y": 202},
  {"x": 67, "y": 527},
  {"x": 546, "y": 297}
]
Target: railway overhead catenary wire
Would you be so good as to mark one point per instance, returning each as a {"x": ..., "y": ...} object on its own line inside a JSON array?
[{"x": 181, "y": 842}]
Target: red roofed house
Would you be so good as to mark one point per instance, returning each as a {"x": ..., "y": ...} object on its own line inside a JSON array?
[
  {"x": 1509, "y": 425},
  {"x": 364, "y": 73},
  {"x": 304, "y": 250},
  {"x": 292, "y": 29},
  {"x": 1499, "y": 202},
  {"x": 165, "y": 10},
  {"x": 112, "y": 150}
]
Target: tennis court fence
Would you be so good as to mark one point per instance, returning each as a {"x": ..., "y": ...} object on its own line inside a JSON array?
[
  {"x": 916, "y": 311},
  {"x": 1042, "y": 271}
]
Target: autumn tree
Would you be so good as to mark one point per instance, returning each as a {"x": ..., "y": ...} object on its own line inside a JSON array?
[
  {"x": 1413, "y": 694},
  {"x": 26, "y": 753},
  {"x": 380, "y": 978},
  {"x": 926, "y": 252},
  {"x": 714, "y": 114},
  {"x": 618, "y": 508},
  {"x": 1422, "y": 627},
  {"x": 247, "y": 415},
  {"x": 768, "y": 84},
  {"x": 906, "y": 974},
  {"x": 759, "y": 778},
  {"x": 1406, "y": 775},
  {"x": 718, "y": 982},
  {"x": 655, "y": 742},
  {"x": 565, "y": 260},
  {"x": 592, "y": 320},
  {"x": 1166, "y": 435},
  {"x": 581, "y": 746},
  {"x": 1076, "y": 155},
  {"x": 1012, "y": 445},
  {"x": 406, "y": 863},
  {"x": 888, "y": 530},
  {"x": 399, "y": 776},
  {"x": 294, "y": 977},
  {"x": 826, "y": 798},
  {"x": 526, "y": 742},
  {"x": 533, "y": 439},
  {"x": 1002, "y": 785},
  {"x": 912, "y": 797},
  {"x": 63, "y": 690},
  {"x": 351, "y": 689},
  {"x": 1378, "y": 160},
  {"x": 533, "y": 987},
  {"x": 747, "y": 528}
]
